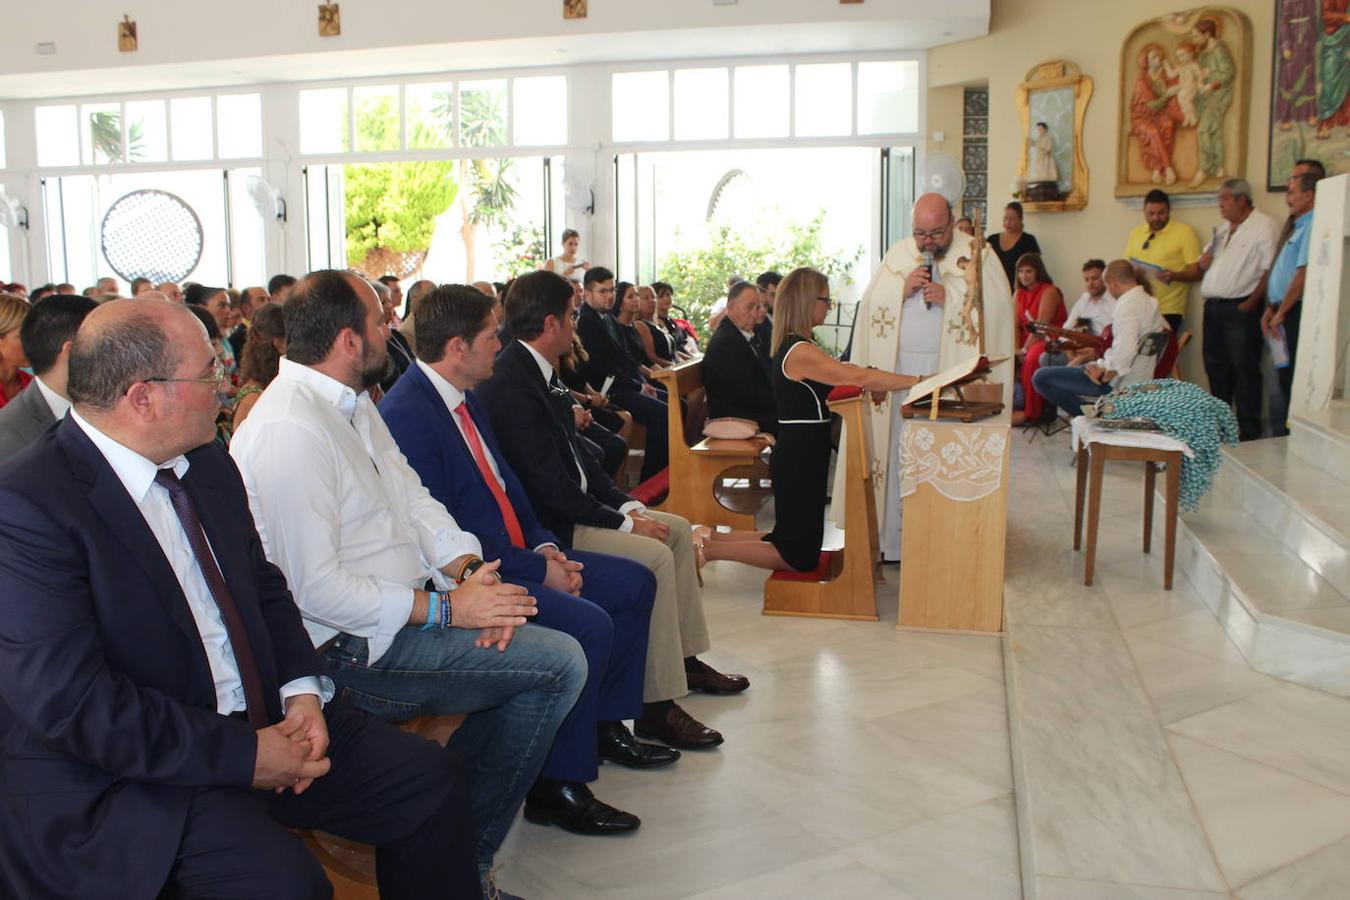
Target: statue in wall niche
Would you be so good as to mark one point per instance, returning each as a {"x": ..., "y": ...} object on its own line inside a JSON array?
[{"x": 1041, "y": 166}]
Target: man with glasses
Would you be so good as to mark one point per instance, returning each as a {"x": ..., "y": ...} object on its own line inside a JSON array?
[
  {"x": 1165, "y": 251},
  {"x": 161, "y": 706},
  {"x": 912, "y": 320}
]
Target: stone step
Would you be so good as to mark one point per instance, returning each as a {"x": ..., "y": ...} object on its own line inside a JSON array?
[
  {"x": 1322, "y": 438},
  {"x": 1286, "y": 618},
  {"x": 1300, "y": 508}
]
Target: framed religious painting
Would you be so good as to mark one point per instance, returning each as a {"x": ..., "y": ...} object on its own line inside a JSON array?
[
  {"x": 1185, "y": 80},
  {"x": 1309, "y": 88},
  {"x": 1052, "y": 103}
]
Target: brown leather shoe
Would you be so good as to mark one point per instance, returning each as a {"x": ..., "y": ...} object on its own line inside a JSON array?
[
  {"x": 677, "y": 729},
  {"x": 705, "y": 679}
]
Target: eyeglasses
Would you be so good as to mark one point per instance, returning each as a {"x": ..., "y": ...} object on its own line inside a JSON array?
[
  {"x": 216, "y": 379},
  {"x": 1148, "y": 240},
  {"x": 931, "y": 234},
  {"x": 827, "y": 301}
]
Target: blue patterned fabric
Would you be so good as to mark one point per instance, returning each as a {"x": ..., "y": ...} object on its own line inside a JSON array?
[{"x": 1185, "y": 412}]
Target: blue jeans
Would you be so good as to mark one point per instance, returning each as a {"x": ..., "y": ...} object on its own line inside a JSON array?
[
  {"x": 1066, "y": 387},
  {"x": 516, "y": 700}
]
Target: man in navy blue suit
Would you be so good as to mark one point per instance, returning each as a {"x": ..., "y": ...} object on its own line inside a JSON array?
[
  {"x": 449, "y": 442},
  {"x": 162, "y": 720}
]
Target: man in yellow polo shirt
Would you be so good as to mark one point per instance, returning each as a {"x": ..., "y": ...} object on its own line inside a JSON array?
[{"x": 1165, "y": 251}]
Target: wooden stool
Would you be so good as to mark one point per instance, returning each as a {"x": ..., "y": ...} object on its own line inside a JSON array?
[
  {"x": 842, "y": 586},
  {"x": 350, "y": 866},
  {"x": 1098, "y": 452}
]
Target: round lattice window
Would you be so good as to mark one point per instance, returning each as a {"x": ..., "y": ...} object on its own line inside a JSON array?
[{"x": 151, "y": 234}]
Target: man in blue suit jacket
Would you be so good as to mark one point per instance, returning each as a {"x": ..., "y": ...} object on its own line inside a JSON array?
[
  {"x": 441, "y": 430},
  {"x": 161, "y": 722}
]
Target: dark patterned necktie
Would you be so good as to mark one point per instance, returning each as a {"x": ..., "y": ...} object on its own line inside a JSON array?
[{"x": 229, "y": 612}]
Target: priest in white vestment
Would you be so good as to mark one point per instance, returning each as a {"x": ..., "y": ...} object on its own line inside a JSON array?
[{"x": 912, "y": 325}]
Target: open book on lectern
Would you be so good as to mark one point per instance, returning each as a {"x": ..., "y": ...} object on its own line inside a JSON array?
[{"x": 971, "y": 369}]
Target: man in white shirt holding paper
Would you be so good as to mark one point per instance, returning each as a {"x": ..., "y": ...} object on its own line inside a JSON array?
[
  {"x": 1237, "y": 258},
  {"x": 404, "y": 611},
  {"x": 1135, "y": 318}
]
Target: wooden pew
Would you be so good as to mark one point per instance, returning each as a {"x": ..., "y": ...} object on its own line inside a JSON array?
[
  {"x": 842, "y": 586},
  {"x": 695, "y": 472},
  {"x": 350, "y": 866}
]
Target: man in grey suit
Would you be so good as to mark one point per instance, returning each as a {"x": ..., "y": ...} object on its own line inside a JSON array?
[{"x": 46, "y": 334}]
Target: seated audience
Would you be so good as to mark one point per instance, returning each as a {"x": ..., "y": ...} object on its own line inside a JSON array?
[
  {"x": 603, "y": 427},
  {"x": 162, "y": 707},
  {"x": 399, "y": 351},
  {"x": 215, "y": 301},
  {"x": 45, "y": 290},
  {"x": 407, "y": 615},
  {"x": 279, "y": 287},
  {"x": 171, "y": 290},
  {"x": 1091, "y": 313},
  {"x": 261, "y": 358},
  {"x": 605, "y": 602},
  {"x": 1136, "y": 323},
  {"x": 530, "y": 412},
  {"x": 1037, "y": 301},
  {"x": 682, "y": 334},
  {"x": 607, "y": 357},
  {"x": 767, "y": 283},
  {"x": 13, "y": 378},
  {"x": 106, "y": 285},
  {"x": 719, "y": 307},
  {"x": 249, "y": 300},
  {"x": 395, "y": 297},
  {"x": 625, "y": 316},
  {"x": 966, "y": 225},
  {"x": 656, "y": 342},
  {"x": 1010, "y": 244},
  {"x": 66, "y": 288},
  {"x": 140, "y": 284},
  {"x": 803, "y": 375},
  {"x": 734, "y": 376},
  {"x": 414, "y": 296},
  {"x": 45, "y": 338}
]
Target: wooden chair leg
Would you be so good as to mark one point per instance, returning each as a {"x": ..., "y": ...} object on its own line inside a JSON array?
[
  {"x": 1094, "y": 511},
  {"x": 1173, "y": 500},
  {"x": 1079, "y": 492},
  {"x": 1150, "y": 477}
]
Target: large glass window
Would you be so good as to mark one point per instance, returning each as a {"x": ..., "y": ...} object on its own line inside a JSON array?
[
  {"x": 539, "y": 107},
  {"x": 323, "y": 121},
  {"x": 430, "y": 113},
  {"x": 239, "y": 126},
  {"x": 191, "y": 128},
  {"x": 58, "y": 136},
  {"x": 483, "y": 115},
  {"x": 641, "y": 106},
  {"x": 762, "y": 101},
  {"x": 378, "y": 118},
  {"x": 888, "y": 97},
  {"x": 823, "y": 101},
  {"x": 147, "y": 131},
  {"x": 702, "y": 103}
]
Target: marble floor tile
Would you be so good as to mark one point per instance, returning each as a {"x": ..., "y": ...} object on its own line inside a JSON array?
[
  {"x": 971, "y": 731},
  {"x": 1335, "y": 619},
  {"x": 1279, "y": 581},
  {"x": 1258, "y": 819},
  {"x": 1133, "y": 607},
  {"x": 836, "y": 876},
  {"x": 1077, "y": 889},
  {"x": 1182, "y": 684},
  {"x": 1294, "y": 729},
  {"x": 1062, "y": 602},
  {"x": 967, "y": 854},
  {"x": 1105, "y": 799},
  {"x": 1321, "y": 874},
  {"x": 1197, "y": 632}
]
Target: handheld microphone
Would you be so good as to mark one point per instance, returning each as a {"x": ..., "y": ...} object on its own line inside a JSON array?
[{"x": 928, "y": 261}]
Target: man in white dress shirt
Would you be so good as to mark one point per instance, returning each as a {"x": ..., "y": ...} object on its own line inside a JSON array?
[
  {"x": 46, "y": 335},
  {"x": 1130, "y": 359},
  {"x": 408, "y": 617},
  {"x": 1091, "y": 313},
  {"x": 1234, "y": 263}
]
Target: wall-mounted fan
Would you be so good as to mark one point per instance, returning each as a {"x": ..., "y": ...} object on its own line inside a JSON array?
[
  {"x": 942, "y": 175},
  {"x": 578, "y": 196},
  {"x": 267, "y": 200},
  {"x": 12, "y": 215}
]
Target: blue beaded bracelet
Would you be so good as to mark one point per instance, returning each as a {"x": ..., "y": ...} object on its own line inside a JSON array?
[{"x": 434, "y": 614}]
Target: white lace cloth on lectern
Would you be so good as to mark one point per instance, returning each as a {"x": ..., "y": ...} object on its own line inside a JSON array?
[{"x": 963, "y": 463}]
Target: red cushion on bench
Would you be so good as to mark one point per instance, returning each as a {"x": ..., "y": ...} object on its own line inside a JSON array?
[
  {"x": 820, "y": 573},
  {"x": 653, "y": 487},
  {"x": 845, "y": 392}
]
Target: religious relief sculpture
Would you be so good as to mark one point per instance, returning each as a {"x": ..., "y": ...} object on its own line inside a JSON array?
[{"x": 1184, "y": 84}]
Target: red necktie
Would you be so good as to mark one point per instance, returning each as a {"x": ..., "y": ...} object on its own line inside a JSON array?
[
  {"x": 215, "y": 581},
  {"x": 480, "y": 456}
]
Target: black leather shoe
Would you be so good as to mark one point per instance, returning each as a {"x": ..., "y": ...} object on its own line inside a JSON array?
[
  {"x": 617, "y": 745},
  {"x": 572, "y": 806}
]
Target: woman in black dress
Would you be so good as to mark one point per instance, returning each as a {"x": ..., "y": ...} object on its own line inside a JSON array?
[
  {"x": 1012, "y": 242},
  {"x": 803, "y": 375}
]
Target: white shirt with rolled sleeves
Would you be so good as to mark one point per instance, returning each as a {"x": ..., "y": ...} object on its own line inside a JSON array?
[
  {"x": 1135, "y": 315},
  {"x": 339, "y": 509},
  {"x": 137, "y": 475},
  {"x": 1241, "y": 257},
  {"x": 1097, "y": 310}
]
